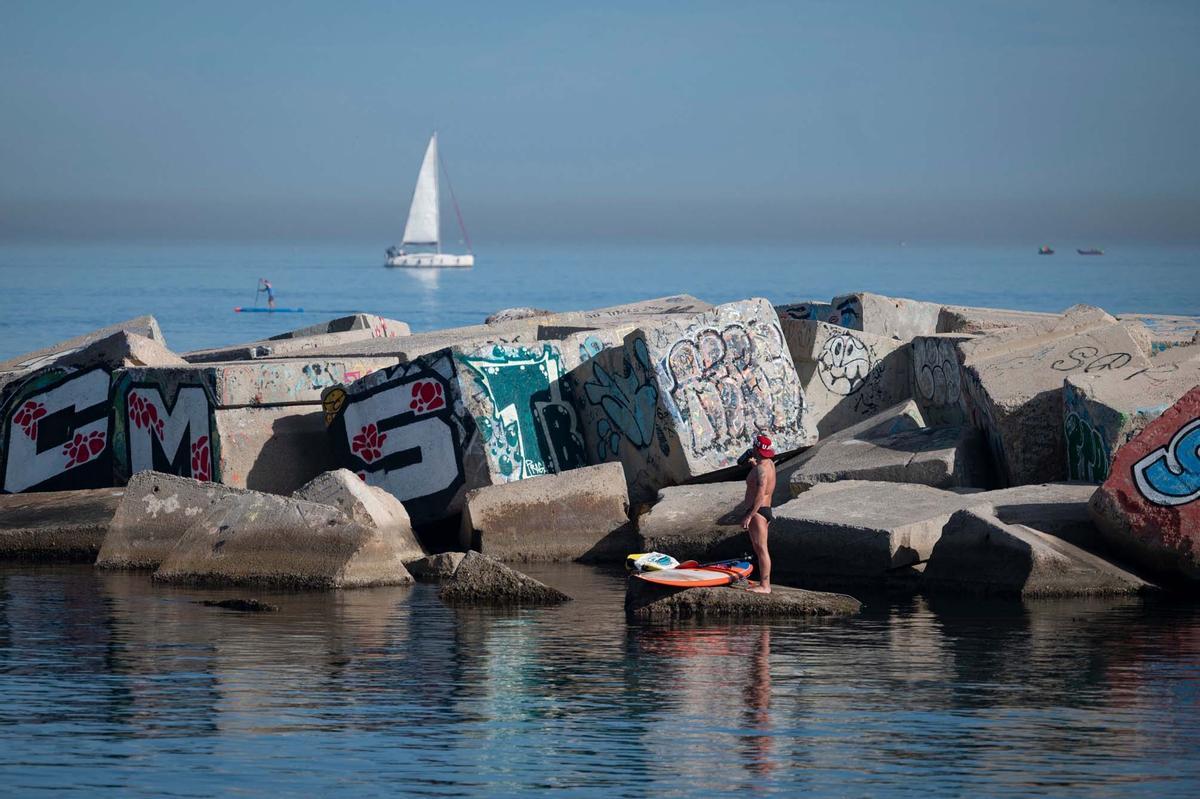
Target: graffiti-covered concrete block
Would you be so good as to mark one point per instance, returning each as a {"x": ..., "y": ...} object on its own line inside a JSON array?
[
  {"x": 310, "y": 342},
  {"x": 681, "y": 398},
  {"x": 578, "y": 513},
  {"x": 256, "y": 425},
  {"x": 1012, "y": 390},
  {"x": 456, "y": 419},
  {"x": 1104, "y": 410},
  {"x": 406, "y": 430},
  {"x": 1149, "y": 506},
  {"x": 886, "y": 317},
  {"x": 813, "y": 311},
  {"x": 55, "y": 432},
  {"x": 936, "y": 381},
  {"x": 846, "y": 376}
]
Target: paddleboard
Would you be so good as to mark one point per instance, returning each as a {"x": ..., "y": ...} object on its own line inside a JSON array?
[
  {"x": 239, "y": 309},
  {"x": 700, "y": 576}
]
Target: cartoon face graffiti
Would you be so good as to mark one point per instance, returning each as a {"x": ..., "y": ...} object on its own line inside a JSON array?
[{"x": 844, "y": 364}]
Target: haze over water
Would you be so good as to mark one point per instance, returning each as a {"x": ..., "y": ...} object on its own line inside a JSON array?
[{"x": 53, "y": 291}]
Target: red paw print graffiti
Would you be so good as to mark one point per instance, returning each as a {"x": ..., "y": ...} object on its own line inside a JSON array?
[
  {"x": 143, "y": 413},
  {"x": 27, "y": 418},
  {"x": 201, "y": 462},
  {"x": 427, "y": 395},
  {"x": 83, "y": 448},
  {"x": 368, "y": 444}
]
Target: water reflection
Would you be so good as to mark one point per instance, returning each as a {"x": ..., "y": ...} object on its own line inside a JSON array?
[{"x": 108, "y": 674}]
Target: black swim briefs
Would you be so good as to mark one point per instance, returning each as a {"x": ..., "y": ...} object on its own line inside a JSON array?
[{"x": 766, "y": 514}]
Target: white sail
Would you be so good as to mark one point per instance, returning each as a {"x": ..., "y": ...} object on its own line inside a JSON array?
[{"x": 423, "y": 222}]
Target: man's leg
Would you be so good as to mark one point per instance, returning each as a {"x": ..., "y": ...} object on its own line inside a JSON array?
[{"x": 762, "y": 558}]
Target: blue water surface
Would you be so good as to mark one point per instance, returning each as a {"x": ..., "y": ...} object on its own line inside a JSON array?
[
  {"x": 52, "y": 292},
  {"x": 116, "y": 686}
]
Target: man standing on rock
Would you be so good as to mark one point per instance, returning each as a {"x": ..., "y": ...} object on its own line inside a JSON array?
[{"x": 760, "y": 485}]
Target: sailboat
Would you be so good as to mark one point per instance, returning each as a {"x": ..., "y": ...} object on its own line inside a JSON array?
[{"x": 424, "y": 222}]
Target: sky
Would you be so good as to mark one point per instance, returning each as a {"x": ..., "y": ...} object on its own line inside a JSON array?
[{"x": 630, "y": 121}]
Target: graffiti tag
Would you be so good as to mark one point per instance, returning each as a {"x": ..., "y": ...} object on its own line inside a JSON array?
[{"x": 1170, "y": 475}]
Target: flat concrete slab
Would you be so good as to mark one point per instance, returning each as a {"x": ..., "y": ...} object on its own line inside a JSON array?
[
  {"x": 695, "y": 522},
  {"x": 56, "y": 525},
  {"x": 887, "y": 317},
  {"x": 860, "y": 531},
  {"x": 146, "y": 326},
  {"x": 979, "y": 554},
  {"x": 646, "y": 601}
]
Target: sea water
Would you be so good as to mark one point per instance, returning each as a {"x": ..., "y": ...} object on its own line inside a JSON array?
[
  {"x": 52, "y": 292},
  {"x": 113, "y": 685}
]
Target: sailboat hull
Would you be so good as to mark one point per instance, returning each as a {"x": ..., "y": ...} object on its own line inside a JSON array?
[{"x": 431, "y": 260}]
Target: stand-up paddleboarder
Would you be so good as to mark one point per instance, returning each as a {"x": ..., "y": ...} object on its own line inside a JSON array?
[
  {"x": 760, "y": 485},
  {"x": 265, "y": 285}
]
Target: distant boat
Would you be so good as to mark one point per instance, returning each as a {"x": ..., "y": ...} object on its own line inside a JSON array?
[
  {"x": 424, "y": 222},
  {"x": 1091, "y": 251},
  {"x": 1045, "y": 250}
]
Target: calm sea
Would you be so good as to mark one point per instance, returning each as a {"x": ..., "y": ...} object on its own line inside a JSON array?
[
  {"x": 113, "y": 685},
  {"x": 116, "y": 686},
  {"x": 54, "y": 292}
]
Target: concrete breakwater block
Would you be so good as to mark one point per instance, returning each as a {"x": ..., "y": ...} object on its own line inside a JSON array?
[
  {"x": 1058, "y": 509},
  {"x": 979, "y": 554},
  {"x": 858, "y": 530},
  {"x": 936, "y": 378},
  {"x": 845, "y": 376},
  {"x": 1103, "y": 410},
  {"x": 886, "y": 317},
  {"x": 645, "y": 600},
  {"x": 580, "y": 512},
  {"x": 145, "y": 326},
  {"x": 456, "y": 419},
  {"x": 55, "y": 431},
  {"x": 257, "y": 425},
  {"x": 365, "y": 505},
  {"x": 263, "y": 539},
  {"x": 969, "y": 320},
  {"x": 308, "y": 342},
  {"x": 51, "y": 525},
  {"x": 1167, "y": 332},
  {"x": 888, "y": 447},
  {"x": 695, "y": 522},
  {"x": 681, "y": 398},
  {"x": 1012, "y": 387},
  {"x": 435, "y": 568},
  {"x": 1148, "y": 509},
  {"x": 480, "y": 580},
  {"x": 153, "y": 515}
]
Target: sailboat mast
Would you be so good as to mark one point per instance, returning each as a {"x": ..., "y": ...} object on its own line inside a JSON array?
[{"x": 437, "y": 195}]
